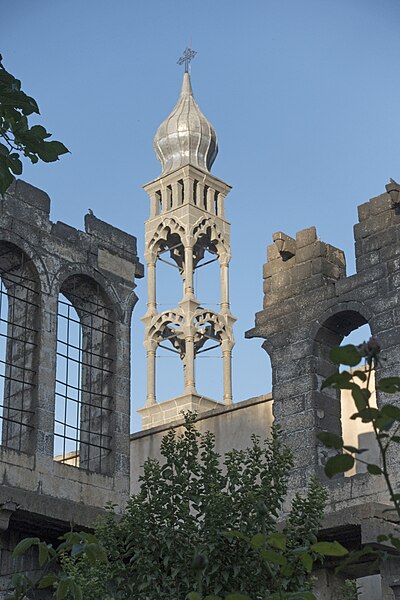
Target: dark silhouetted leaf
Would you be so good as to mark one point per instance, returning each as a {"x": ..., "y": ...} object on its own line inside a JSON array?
[{"x": 339, "y": 464}]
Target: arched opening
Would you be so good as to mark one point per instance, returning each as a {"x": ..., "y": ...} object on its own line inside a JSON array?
[
  {"x": 169, "y": 371},
  {"x": 84, "y": 376},
  {"x": 209, "y": 374},
  {"x": 354, "y": 432},
  {"x": 207, "y": 268},
  {"x": 170, "y": 261},
  {"x": 19, "y": 325},
  {"x": 335, "y": 408}
]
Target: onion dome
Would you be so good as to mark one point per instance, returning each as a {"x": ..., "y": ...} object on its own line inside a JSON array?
[{"x": 186, "y": 136}]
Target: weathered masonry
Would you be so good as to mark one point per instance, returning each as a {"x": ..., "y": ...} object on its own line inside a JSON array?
[
  {"x": 66, "y": 300},
  {"x": 309, "y": 306}
]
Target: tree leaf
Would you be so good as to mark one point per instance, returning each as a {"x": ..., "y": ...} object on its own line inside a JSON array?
[
  {"x": 345, "y": 355},
  {"x": 43, "y": 553},
  {"x": 360, "y": 374},
  {"x": 307, "y": 561},
  {"x": 257, "y": 540},
  {"x": 50, "y": 151},
  {"x": 274, "y": 557},
  {"x": 337, "y": 380},
  {"x": 391, "y": 411},
  {"x": 330, "y": 440},
  {"x": 63, "y": 588},
  {"x": 47, "y": 580},
  {"x": 360, "y": 397},
  {"x": 277, "y": 540},
  {"x": 329, "y": 549},
  {"x": 389, "y": 385},
  {"x": 24, "y": 545},
  {"x": 374, "y": 469},
  {"x": 338, "y": 464}
]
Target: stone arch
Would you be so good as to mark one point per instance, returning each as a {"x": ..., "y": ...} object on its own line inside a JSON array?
[
  {"x": 37, "y": 263},
  {"x": 168, "y": 226},
  {"x": 169, "y": 326},
  {"x": 20, "y": 303},
  {"x": 170, "y": 236},
  {"x": 87, "y": 273},
  {"x": 329, "y": 331},
  {"x": 207, "y": 231},
  {"x": 84, "y": 400},
  {"x": 210, "y": 326}
]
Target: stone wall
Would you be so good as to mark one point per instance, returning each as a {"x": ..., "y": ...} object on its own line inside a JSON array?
[
  {"x": 40, "y": 495},
  {"x": 309, "y": 307}
]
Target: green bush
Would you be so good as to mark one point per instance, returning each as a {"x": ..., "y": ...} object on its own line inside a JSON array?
[{"x": 172, "y": 539}]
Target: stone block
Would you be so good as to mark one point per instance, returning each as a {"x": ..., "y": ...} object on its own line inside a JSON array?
[
  {"x": 366, "y": 261},
  {"x": 305, "y": 237},
  {"x": 113, "y": 263},
  {"x": 363, "y": 211},
  {"x": 112, "y": 236},
  {"x": 380, "y": 204},
  {"x": 273, "y": 253},
  {"x": 24, "y": 192},
  {"x": 336, "y": 256},
  {"x": 322, "y": 266},
  {"x": 382, "y": 322},
  {"x": 373, "y": 225},
  {"x": 276, "y": 266},
  {"x": 310, "y": 251}
]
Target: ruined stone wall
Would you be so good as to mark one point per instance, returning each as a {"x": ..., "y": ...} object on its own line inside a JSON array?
[
  {"x": 40, "y": 495},
  {"x": 309, "y": 306}
]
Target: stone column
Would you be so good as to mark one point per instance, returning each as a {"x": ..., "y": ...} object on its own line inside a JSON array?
[
  {"x": 153, "y": 205},
  {"x": 210, "y": 201},
  {"x": 200, "y": 194},
  {"x": 189, "y": 375},
  {"x": 188, "y": 289},
  {"x": 221, "y": 204},
  {"x": 224, "y": 276},
  {"x": 151, "y": 376},
  {"x": 227, "y": 362},
  {"x": 151, "y": 286}
]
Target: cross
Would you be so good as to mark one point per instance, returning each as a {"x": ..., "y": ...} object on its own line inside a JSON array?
[{"x": 186, "y": 58}]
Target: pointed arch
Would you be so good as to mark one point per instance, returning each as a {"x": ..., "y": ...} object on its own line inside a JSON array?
[{"x": 207, "y": 232}]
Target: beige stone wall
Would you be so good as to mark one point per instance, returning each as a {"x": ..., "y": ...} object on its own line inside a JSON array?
[
  {"x": 232, "y": 426},
  {"x": 358, "y": 434}
]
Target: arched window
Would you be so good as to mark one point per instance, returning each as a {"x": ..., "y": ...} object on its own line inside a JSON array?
[
  {"x": 19, "y": 316},
  {"x": 356, "y": 433},
  {"x": 334, "y": 408},
  {"x": 84, "y": 397}
]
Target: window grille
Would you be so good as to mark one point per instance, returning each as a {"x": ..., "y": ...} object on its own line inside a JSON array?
[
  {"x": 83, "y": 403},
  {"x": 19, "y": 303}
]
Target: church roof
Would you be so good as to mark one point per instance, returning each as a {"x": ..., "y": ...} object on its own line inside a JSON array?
[{"x": 186, "y": 136}]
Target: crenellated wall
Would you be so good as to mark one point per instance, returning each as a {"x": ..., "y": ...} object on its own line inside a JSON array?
[{"x": 309, "y": 307}]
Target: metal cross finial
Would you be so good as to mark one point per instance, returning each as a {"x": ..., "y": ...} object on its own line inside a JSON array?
[{"x": 186, "y": 58}]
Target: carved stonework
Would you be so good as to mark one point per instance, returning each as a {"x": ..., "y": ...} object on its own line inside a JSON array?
[{"x": 186, "y": 228}]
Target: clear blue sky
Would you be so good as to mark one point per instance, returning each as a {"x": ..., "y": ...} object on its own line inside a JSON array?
[{"x": 304, "y": 96}]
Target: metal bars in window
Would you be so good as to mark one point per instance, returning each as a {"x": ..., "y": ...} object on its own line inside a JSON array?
[
  {"x": 83, "y": 401},
  {"x": 19, "y": 304}
]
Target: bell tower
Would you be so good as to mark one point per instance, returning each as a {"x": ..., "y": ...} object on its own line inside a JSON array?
[{"x": 187, "y": 224}]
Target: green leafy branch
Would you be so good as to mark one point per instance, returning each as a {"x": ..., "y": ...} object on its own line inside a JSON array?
[
  {"x": 73, "y": 545},
  {"x": 17, "y": 136}
]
